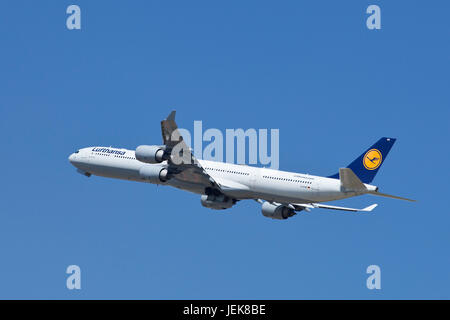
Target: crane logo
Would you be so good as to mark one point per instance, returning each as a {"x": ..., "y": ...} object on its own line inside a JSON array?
[{"x": 372, "y": 159}]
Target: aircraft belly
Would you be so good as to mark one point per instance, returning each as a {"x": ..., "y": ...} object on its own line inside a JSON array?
[{"x": 125, "y": 173}]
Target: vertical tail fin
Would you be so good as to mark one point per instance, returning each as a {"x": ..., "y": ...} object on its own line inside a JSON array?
[{"x": 368, "y": 163}]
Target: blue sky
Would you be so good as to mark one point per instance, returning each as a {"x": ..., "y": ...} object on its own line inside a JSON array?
[{"x": 311, "y": 69}]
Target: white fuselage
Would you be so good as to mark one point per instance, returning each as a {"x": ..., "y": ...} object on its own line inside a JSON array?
[{"x": 242, "y": 182}]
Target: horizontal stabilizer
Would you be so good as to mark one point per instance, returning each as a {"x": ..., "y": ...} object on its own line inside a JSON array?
[{"x": 375, "y": 193}]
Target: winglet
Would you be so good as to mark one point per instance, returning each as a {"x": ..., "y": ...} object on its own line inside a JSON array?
[
  {"x": 171, "y": 116},
  {"x": 369, "y": 208}
]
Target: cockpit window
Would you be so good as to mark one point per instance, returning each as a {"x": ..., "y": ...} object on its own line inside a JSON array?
[{"x": 77, "y": 151}]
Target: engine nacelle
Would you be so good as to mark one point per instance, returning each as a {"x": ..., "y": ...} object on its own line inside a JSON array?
[
  {"x": 154, "y": 174},
  {"x": 150, "y": 154},
  {"x": 279, "y": 212},
  {"x": 217, "y": 202}
]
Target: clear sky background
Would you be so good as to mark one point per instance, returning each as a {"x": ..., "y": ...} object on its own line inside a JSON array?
[{"x": 311, "y": 69}]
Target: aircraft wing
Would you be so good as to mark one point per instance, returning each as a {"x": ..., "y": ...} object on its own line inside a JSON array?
[
  {"x": 304, "y": 206},
  {"x": 309, "y": 206},
  {"x": 182, "y": 163}
]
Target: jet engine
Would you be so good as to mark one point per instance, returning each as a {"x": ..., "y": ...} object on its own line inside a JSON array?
[
  {"x": 274, "y": 211},
  {"x": 217, "y": 202},
  {"x": 150, "y": 154},
  {"x": 154, "y": 173}
]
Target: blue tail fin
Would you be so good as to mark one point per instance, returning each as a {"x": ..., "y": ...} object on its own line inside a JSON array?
[{"x": 367, "y": 164}]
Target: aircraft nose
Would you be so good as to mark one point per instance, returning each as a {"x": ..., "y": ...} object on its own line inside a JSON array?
[{"x": 72, "y": 158}]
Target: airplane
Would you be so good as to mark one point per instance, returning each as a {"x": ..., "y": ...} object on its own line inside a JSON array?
[{"x": 221, "y": 185}]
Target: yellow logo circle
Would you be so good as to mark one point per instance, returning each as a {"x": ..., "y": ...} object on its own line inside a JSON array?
[{"x": 372, "y": 159}]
